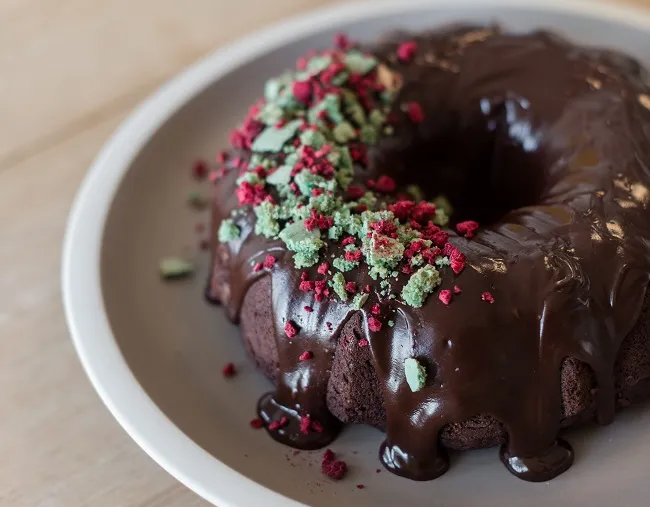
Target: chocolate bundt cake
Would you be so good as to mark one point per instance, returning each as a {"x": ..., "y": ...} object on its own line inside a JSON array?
[{"x": 445, "y": 236}]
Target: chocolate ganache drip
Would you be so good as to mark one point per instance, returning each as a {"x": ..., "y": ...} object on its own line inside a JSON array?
[{"x": 541, "y": 142}]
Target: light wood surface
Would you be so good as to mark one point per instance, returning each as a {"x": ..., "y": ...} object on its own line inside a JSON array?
[{"x": 70, "y": 70}]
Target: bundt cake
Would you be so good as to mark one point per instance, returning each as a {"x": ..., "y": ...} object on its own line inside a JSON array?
[{"x": 446, "y": 236}]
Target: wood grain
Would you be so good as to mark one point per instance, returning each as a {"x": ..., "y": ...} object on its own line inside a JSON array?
[{"x": 71, "y": 70}]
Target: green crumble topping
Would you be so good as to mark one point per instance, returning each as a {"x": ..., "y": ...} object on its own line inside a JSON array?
[
  {"x": 344, "y": 265},
  {"x": 338, "y": 284},
  {"x": 228, "y": 231},
  {"x": 267, "y": 224},
  {"x": 305, "y": 244},
  {"x": 416, "y": 374},
  {"x": 175, "y": 267},
  {"x": 420, "y": 285},
  {"x": 359, "y": 300},
  {"x": 298, "y": 154}
]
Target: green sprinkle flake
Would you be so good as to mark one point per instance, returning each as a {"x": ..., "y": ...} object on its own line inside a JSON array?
[
  {"x": 175, "y": 267},
  {"x": 358, "y": 63},
  {"x": 312, "y": 138},
  {"x": 273, "y": 139},
  {"x": 416, "y": 374},
  {"x": 270, "y": 114},
  {"x": 196, "y": 200},
  {"x": 305, "y": 244},
  {"x": 267, "y": 224},
  {"x": 442, "y": 262},
  {"x": 344, "y": 132},
  {"x": 338, "y": 284},
  {"x": 377, "y": 118},
  {"x": 228, "y": 231},
  {"x": 391, "y": 323},
  {"x": 422, "y": 283},
  {"x": 443, "y": 203},
  {"x": 344, "y": 265},
  {"x": 280, "y": 177},
  {"x": 359, "y": 300},
  {"x": 416, "y": 193},
  {"x": 307, "y": 181}
]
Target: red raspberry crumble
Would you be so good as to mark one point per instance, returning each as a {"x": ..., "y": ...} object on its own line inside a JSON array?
[
  {"x": 302, "y": 91},
  {"x": 374, "y": 324},
  {"x": 351, "y": 287},
  {"x": 341, "y": 41},
  {"x": 406, "y": 51},
  {"x": 328, "y": 456},
  {"x": 307, "y": 354},
  {"x": 467, "y": 228},
  {"x": 363, "y": 342},
  {"x": 457, "y": 289},
  {"x": 276, "y": 425},
  {"x": 334, "y": 469},
  {"x": 228, "y": 370},
  {"x": 445, "y": 296},
  {"x": 355, "y": 192},
  {"x": 385, "y": 184},
  {"x": 290, "y": 329},
  {"x": 257, "y": 423},
  {"x": 322, "y": 269},
  {"x": 269, "y": 261},
  {"x": 486, "y": 296},
  {"x": 305, "y": 424},
  {"x": 200, "y": 169},
  {"x": 415, "y": 112},
  {"x": 306, "y": 285}
]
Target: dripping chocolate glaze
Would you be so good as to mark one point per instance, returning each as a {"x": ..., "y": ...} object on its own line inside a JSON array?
[{"x": 546, "y": 144}]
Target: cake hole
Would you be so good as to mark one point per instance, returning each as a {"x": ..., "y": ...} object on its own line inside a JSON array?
[{"x": 486, "y": 160}]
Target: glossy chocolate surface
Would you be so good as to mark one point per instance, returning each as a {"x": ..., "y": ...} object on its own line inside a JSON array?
[{"x": 546, "y": 145}]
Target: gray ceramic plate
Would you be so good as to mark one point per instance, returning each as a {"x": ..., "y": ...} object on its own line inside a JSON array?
[{"x": 154, "y": 351}]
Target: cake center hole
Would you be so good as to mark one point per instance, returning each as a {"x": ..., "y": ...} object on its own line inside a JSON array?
[{"x": 486, "y": 163}]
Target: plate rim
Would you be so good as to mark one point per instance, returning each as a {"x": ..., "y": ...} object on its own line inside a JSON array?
[{"x": 82, "y": 296}]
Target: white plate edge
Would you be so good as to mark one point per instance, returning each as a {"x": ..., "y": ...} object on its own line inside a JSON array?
[{"x": 80, "y": 278}]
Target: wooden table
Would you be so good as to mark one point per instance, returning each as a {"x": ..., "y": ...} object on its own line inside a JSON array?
[{"x": 70, "y": 70}]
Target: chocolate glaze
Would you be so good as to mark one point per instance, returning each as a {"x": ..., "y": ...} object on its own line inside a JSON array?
[{"x": 546, "y": 144}]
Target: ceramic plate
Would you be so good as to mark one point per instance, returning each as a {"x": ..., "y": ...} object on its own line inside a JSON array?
[{"x": 154, "y": 350}]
